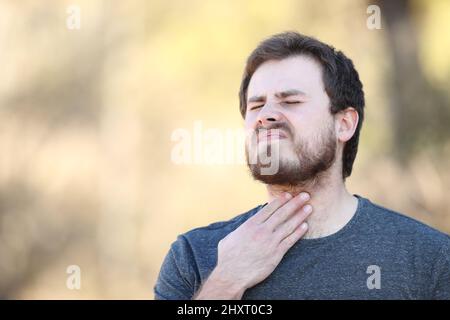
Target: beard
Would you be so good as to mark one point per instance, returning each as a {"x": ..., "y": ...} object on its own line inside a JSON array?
[{"x": 299, "y": 162}]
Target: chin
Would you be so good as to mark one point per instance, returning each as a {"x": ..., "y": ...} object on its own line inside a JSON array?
[{"x": 286, "y": 153}]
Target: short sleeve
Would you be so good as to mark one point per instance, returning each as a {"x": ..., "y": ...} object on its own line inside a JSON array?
[
  {"x": 176, "y": 279},
  {"x": 442, "y": 275}
]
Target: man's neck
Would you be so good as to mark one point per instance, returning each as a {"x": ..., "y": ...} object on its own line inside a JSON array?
[{"x": 333, "y": 206}]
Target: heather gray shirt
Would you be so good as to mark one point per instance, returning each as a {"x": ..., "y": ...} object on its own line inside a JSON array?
[{"x": 378, "y": 254}]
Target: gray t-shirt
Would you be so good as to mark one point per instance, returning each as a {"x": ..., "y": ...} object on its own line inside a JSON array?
[{"x": 378, "y": 254}]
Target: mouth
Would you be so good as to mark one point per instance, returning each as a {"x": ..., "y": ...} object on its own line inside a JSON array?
[{"x": 270, "y": 135}]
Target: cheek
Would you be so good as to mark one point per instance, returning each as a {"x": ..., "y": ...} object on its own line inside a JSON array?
[
  {"x": 250, "y": 121},
  {"x": 313, "y": 120},
  {"x": 309, "y": 131}
]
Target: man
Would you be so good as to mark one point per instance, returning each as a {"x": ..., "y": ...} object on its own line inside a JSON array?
[{"x": 303, "y": 104}]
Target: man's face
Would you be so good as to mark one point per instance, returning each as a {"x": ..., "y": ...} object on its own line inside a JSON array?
[{"x": 288, "y": 111}]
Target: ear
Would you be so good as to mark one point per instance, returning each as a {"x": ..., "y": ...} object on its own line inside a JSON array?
[{"x": 346, "y": 123}]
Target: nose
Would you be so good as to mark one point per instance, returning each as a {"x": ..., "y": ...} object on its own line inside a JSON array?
[{"x": 268, "y": 115}]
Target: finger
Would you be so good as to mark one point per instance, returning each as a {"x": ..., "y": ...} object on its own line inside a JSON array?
[
  {"x": 291, "y": 239},
  {"x": 283, "y": 213},
  {"x": 265, "y": 213},
  {"x": 290, "y": 225}
]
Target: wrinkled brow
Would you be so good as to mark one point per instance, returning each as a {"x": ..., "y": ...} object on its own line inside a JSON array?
[{"x": 280, "y": 95}]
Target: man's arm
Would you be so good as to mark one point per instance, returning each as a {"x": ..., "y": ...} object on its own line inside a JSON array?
[{"x": 216, "y": 287}]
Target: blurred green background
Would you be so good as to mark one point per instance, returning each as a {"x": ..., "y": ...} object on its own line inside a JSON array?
[{"x": 86, "y": 118}]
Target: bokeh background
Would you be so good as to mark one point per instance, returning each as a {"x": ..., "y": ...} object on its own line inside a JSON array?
[{"x": 87, "y": 115}]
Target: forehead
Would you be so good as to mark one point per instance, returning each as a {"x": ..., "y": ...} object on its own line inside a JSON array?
[{"x": 296, "y": 72}]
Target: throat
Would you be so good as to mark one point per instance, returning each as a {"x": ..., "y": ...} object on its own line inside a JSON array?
[{"x": 330, "y": 218}]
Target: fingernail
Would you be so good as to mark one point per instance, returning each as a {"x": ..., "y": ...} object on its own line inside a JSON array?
[
  {"x": 307, "y": 208},
  {"x": 288, "y": 195},
  {"x": 304, "y": 196},
  {"x": 304, "y": 225}
]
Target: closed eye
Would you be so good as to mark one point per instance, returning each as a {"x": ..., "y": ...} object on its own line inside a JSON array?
[
  {"x": 256, "y": 107},
  {"x": 292, "y": 102}
]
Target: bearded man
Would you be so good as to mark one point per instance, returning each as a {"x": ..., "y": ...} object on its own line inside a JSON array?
[{"x": 303, "y": 106}]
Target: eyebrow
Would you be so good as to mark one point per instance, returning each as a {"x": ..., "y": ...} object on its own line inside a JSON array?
[{"x": 280, "y": 95}]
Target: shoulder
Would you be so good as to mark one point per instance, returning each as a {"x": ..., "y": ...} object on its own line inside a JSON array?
[
  {"x": 422, "y": 252},
  {"x": 399, "y": 222},
  {"x": 405, "y": 230}
]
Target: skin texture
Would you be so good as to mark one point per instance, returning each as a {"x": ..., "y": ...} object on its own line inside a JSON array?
[{"x": 288, "y": 94}]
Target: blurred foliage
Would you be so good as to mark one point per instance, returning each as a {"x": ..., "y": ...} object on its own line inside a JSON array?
[{"x": 86, "y": 118}]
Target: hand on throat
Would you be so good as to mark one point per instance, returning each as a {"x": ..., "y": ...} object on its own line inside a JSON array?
[{"x": 333, "y": 206}]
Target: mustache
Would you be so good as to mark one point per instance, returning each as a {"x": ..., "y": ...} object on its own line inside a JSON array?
[{"x": 280, "y": 126}]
